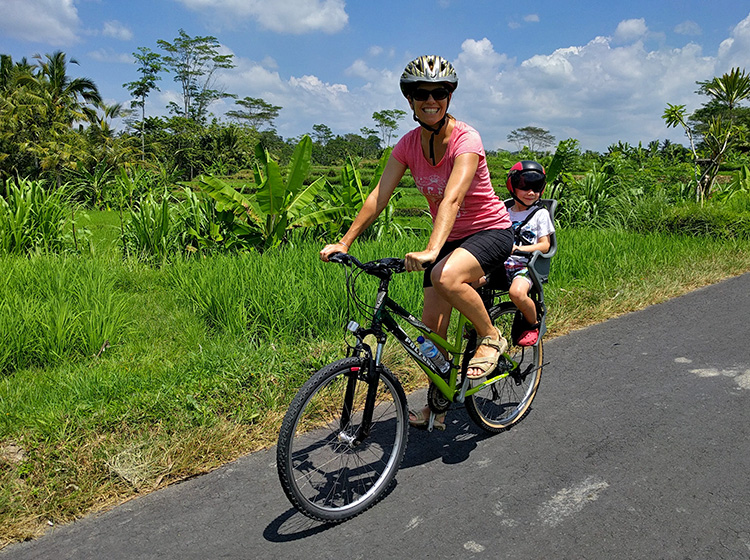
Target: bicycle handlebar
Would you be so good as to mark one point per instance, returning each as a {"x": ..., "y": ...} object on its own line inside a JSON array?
[{"x": 385, "y": 265}]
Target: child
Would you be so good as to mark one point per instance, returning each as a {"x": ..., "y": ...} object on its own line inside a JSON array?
[{"x": 532, "y": 227}]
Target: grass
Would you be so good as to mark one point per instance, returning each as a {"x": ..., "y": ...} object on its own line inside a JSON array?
[{"x": 204, "y": 355}]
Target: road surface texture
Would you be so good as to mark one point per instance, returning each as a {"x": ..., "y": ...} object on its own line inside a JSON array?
[{"x": 638, "y": 446}]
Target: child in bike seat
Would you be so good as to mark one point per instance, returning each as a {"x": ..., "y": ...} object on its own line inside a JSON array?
[{"x": 532, "y": 227}]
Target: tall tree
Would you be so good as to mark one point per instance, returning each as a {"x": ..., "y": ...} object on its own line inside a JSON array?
[
  {"x": 533, "y": 137},
  {"x": 322, "y": 134},
  {"x": 255, "y": 112},
  {"x": 717, "y": 126},
  {"x": 54, "y": 104},
  {"x": 728, "y": 90},
  {"x": 387, "y": 122},
  {"x": 195, "y": 61},
  {"x": 149, "y": 66},
  {"x": 67, "y": 99}
]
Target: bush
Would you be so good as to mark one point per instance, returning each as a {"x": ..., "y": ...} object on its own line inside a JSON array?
[
  {"x": 32, "y": 220},
  {"x": 711, "y": 220}
]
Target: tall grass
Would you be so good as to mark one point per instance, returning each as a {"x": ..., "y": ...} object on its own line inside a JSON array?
[
  {"x": 32, "y": 219},
  {"x": 58, "y": 308},
  {"x": 287, "y": 294}
]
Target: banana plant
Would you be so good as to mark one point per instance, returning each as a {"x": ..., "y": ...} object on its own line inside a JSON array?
[
  {"x": 346, "y": 199},
  {"x": 276, "y": 207}
]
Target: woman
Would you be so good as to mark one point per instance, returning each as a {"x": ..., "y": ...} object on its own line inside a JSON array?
[{"x": 471, "y": 229}]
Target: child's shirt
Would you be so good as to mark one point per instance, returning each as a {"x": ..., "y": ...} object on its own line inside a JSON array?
[{"x": 538, "y": 226}]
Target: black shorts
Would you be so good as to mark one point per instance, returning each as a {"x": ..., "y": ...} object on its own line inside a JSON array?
[{"x": 490, "y": 247}]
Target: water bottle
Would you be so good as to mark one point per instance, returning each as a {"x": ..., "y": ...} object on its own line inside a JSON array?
[{"x": 432, "y": 352}]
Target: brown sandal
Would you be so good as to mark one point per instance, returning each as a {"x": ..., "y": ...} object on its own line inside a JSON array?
[
  {"x": 422, "y": 420},
  {"x": 487, "y": 364}
]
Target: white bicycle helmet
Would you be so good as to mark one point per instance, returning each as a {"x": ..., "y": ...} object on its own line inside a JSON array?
[{"x": 430, "y": 69}]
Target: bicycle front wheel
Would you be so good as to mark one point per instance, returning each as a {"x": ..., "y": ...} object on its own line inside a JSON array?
[
  {"x": 502, "y": 404},
  {"x": 327, "y": 473}
]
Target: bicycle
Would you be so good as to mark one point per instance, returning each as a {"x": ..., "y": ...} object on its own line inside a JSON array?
[{"x": 344, "y": 435}]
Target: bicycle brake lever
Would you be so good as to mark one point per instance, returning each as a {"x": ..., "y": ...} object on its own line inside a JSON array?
[
  {"x": 340, "y": 258},
  {"x": 395, "y": 264}
]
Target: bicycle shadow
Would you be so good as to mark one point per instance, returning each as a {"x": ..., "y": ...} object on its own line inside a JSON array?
[
  {"x": 292, "y": 525},
  {"x": 451, "y": 446}
]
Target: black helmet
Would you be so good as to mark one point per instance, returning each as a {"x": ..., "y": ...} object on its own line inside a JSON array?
[
  {"x": 526, "y": 174},
  {"x": 429, "y": 69}
]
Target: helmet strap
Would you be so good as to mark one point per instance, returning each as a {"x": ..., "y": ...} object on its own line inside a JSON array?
[
  {"x": 537, "y": 202},
  {"x": 434, "y": 131}
]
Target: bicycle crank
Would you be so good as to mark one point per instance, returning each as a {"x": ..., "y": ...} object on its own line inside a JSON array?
[{"x": 436, "y": 400}]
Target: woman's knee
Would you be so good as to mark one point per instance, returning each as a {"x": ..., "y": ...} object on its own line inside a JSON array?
[
  {"x": 461, "y": 267},
  {"x": 443, "y": 280}
]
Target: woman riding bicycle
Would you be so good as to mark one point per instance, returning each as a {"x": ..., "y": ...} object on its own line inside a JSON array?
[{"x": 471, "y": 233}]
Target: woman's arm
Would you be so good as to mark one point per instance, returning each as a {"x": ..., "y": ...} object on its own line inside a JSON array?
[{"x": 374, "y": 204}]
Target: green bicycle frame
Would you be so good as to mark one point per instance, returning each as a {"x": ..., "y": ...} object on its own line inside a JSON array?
[{"x": 384, "y": 316}]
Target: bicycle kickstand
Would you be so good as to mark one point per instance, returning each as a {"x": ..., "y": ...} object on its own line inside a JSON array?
[{"x": 431, "y": 421}]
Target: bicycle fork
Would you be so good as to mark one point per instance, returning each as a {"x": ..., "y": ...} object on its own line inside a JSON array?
[{"x": 372, "y": 377}]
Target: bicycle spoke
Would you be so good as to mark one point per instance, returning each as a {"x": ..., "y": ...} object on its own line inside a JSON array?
[{"x": 325, "y": 472}]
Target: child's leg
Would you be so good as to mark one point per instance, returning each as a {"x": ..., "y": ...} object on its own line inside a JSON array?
[{"x": 519, "y": 295}]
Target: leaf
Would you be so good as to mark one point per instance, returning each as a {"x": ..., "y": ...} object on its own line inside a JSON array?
[
  {"x": 229, "y": 199},
  {"x": 300, "y": 165},
  {"x": 272, "y": 192},
  {"x": 305, "y": 197},
  {"x": 381, "y": 167}
]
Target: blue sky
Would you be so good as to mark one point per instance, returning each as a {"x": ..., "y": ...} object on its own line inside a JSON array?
[{"x": 596, "y": 71}]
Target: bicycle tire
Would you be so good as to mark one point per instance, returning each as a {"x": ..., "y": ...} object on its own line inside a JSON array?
[
  {"x": 324, "y": 475},
  {"x": 503, "y": 404}
]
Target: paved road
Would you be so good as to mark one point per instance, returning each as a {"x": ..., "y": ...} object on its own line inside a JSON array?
[{"x": 638, "y": 446}]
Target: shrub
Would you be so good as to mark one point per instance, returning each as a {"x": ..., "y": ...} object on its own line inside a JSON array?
[{"x": 32, "y": 220}]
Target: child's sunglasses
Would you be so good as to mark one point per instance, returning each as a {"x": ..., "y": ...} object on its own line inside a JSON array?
[
  {"x": 530, "y": 181},
  {"x": 438, "y": 94}
]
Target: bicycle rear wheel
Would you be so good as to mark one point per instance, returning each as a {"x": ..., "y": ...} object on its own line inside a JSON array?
[
  {"x": 506, "y": 402},
  {"x": 327, "y": 474}
]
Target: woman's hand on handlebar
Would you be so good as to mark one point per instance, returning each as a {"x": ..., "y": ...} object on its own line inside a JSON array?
[
  {"x": 419, "y": 260},
  {"x": 332, "y": 249}
]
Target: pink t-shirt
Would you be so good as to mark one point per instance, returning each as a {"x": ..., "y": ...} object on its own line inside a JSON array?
[{"x": 481, "y": 208}]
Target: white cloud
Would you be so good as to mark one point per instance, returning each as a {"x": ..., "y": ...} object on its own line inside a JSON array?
[
  {"x": 108, "y": 55},
  {"x": 315, "y": 86},
  {"x": 286, "y": 16},
  {"x": 604, "y": 91},
  {"x": 531, "y": 18},
  {"x": 117, "y": 30},
  {"x": 735, "y": 51},
  {"x": 478, "y": 62},
  {"x": 688, "y": 27},
  {"x": 631, "y": 29},
  {"x": 54, "y": 22}
]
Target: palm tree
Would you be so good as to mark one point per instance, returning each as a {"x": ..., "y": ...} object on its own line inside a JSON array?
[
  {"x": 729, "y": 89},
  {"x": 59, "y": 102},
  {"x": 65, "y": 97}
]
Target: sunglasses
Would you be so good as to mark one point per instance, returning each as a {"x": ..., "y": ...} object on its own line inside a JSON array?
[
  {"x": 530, "y": 181},
  {"x": 438, "y": 94}
]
